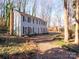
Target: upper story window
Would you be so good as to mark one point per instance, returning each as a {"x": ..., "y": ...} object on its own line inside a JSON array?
[
  {"x": 44, "y": 23},
  {"x": 33, "y": 20},
  {"x": 36, "y": 21},
  {"x": 29, "y": 19},
  {"x": 33, "y": 29},
  {"x": 24, "y": 18},
  {"x": 39, "y": 21}
]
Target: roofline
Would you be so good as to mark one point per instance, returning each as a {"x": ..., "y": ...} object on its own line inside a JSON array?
[{"x": 25, "y": 14}]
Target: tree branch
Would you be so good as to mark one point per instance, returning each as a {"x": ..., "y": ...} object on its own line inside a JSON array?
[{"x": 77, "y": 20}]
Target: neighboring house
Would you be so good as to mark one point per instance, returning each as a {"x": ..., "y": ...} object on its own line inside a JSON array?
[{"x": 25, "y": 24}]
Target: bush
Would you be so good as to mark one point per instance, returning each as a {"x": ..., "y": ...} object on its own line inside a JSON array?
[
  {"x": 62, "y": 29},
  {"x": 3, "y": 29},
  {"x": 71, "y": 33},
  {"x": 2, "y": 23}
]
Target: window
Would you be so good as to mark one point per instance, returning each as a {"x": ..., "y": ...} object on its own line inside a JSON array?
[
  {"x": 36, "y": 21},
  {"x": 38, "y": 30},
  {"x": 24, "y": 18},
  {"x": 29, "y": 30},
  {"x": 33, "y": 29},
  {"x": 41, "y": 29},
  {"x": 26, "y": 30},
  {"x": 29, "y": 19},
  {"x": 39, "y": 21},
  {"x": 23, "y": 30},
  {"x": 44, "y": 23},
  {"x": 33, "y": 20}
]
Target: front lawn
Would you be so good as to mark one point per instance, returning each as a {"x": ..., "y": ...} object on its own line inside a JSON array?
[
  {"x": 13, "y": 46},
  {"x": 59, "y": 43}
]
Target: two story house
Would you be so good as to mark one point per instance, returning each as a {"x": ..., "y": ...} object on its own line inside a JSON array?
[{"x": 25, "y": 24}]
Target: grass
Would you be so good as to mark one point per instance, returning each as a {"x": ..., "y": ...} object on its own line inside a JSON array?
[
  {"x": 58, "y": 43},
  {"x": 58, "y": 35},
  {"x": 57, "y": 39},
  {"x": 16, "y": 49},
  {"x": 13, "y": 47}
]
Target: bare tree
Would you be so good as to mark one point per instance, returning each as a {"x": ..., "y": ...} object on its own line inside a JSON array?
[
  {"x": 34, "y": 8},
  {"x": 77, "y": 25},
  {"x": 2, "y": 9},
  {"x": 46, "y": 9},
  {"x": 21, "y": 5},
  {"x": 66, "y": 35},
  {"x": 43, "y": 10}
]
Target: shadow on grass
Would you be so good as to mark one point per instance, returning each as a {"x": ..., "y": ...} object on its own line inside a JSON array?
[
  {"x": 23, "y": 55},
  {"x": 59, "y": 53},
  {"x": 49, "y": 40},
  {"x": 71, "y": 47},
  {"x": 54, "y": 53},
  {"x": 14, "y": 41}
]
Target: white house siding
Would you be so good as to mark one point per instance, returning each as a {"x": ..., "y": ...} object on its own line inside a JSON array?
[{"x": 19, "y": 25}]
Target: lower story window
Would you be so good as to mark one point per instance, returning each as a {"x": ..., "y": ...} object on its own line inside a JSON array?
[
  {"x": 33, "y": 29},
  {"x": 29, "y": 30},
  {"x": 25, "y": 30}
]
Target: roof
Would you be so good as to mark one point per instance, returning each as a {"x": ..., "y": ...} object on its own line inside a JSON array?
[{"x": 25, "y": 14}]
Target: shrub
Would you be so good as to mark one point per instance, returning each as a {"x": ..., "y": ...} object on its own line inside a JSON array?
[{"x": 71, "y": 33}]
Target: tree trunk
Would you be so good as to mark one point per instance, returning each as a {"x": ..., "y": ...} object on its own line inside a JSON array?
[
  {"x": 66, "y": 35},
  {"x": 76, "y": 28},
  {"x": 11, "y": 22},
  {"x": 76, "y": 34},
  {"x": 65, "y": 26}
]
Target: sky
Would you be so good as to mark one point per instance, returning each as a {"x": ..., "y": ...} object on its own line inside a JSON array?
[{"x": 57, "y": 10}]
